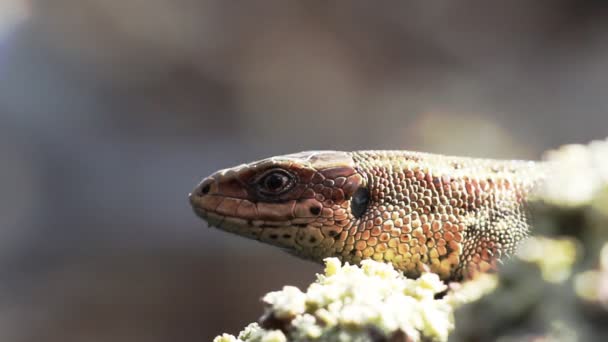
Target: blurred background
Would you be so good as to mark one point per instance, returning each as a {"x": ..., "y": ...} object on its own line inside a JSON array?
[{"x": 112, "y": 110}]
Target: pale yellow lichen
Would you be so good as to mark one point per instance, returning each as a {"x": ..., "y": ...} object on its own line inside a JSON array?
[
  {"x": 586, "y": 285},
  {"x": 286, "y": 303},
  {"x": 472, "y": 290},
  {"x": 306, "y": 327},
  {"x": 554, "y": 257},
  {"x": 225, "y": 338},
  {"x": 274, "y": 336},
  {"x": 252, "y": 331},
  {"x": 577, "y": 173},
  {"x": 426, "y": 286},
  {"x": 332, "y": 265},
  {"x": 347, "y": 300}
]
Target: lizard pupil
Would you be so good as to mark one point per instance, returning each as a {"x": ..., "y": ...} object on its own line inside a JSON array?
[
  {"x": 275, "y": 182},
  {"x": 359, "y": 202}
]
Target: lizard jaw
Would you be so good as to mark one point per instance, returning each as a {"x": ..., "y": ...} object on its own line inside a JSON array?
[{"x": 281, "y": 233}]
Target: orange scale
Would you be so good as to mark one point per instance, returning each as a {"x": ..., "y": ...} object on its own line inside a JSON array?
[
  {"x": 457, "y": 237},
  {"x": 384, "y": 237}
]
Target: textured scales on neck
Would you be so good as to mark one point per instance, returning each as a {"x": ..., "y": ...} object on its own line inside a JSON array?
[{"x": 453, "y": 216}]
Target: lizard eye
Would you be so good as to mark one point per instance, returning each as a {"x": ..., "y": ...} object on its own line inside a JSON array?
[{"x": 275, "y": 182}]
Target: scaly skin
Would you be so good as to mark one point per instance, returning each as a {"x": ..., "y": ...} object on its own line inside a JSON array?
[{"x": 450, "y": 215}]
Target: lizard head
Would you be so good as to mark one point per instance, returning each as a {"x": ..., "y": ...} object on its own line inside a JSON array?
[{"x": 303, "y": 202}]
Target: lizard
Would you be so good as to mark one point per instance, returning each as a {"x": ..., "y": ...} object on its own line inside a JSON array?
[{"x": 453, "y": 216}]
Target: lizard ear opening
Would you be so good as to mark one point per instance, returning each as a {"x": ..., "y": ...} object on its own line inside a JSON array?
[{"x": 360, "y": 202}]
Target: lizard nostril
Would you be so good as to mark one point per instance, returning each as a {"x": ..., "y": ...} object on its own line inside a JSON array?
[{"x": 204, "y": 187}]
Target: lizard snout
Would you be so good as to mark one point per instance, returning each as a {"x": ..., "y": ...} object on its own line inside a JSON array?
[{"x": 206, "y": 187}]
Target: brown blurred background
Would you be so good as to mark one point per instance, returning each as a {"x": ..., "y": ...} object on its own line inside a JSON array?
[{"x": 112, "y": 110}]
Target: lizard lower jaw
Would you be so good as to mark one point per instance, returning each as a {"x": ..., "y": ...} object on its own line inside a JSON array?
[
  {"x": 212, "y": 219},
  {"x": 229, "y": 224}
]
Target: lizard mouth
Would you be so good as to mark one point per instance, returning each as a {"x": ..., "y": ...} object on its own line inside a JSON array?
[
  {"x": 279, "y": 233},
  {"x": 229, "y": 224}
]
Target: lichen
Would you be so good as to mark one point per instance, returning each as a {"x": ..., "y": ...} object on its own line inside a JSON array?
[
  {"x": 349, "y": 302},
  {"x": 558, "y": 266},
  {"x": 577, "y": 174}
]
